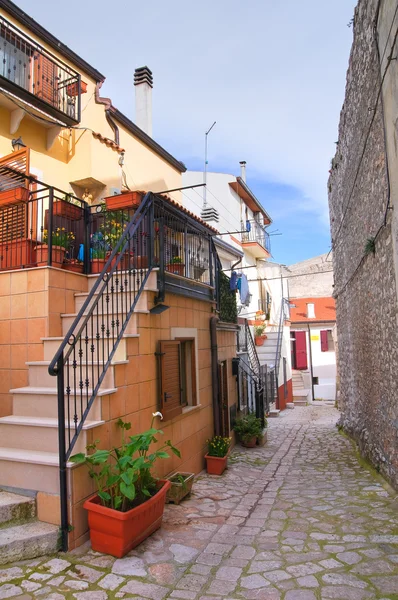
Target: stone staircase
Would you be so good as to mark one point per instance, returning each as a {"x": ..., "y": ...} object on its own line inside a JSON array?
[
  {"x": 29, "y": 437},
  {"x": 267, "y": 352},
  {"x": 22, "y": 536},
  {"x": 300, "y": 393}
]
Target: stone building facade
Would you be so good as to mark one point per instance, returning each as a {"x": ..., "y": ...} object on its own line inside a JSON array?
[{"x": 364, "y": 232}]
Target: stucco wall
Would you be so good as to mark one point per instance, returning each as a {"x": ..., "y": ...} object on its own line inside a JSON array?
[{"x": 365, "y": 285}]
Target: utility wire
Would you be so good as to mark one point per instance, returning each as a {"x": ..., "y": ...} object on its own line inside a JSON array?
[{"x": 389, "y": 60}]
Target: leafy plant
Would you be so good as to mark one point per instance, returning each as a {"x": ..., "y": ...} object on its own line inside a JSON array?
[
  {"x": 228, "y": 308},
  {"x": 176, "y": 260},
  {"x": 60, "y": 237},
  {"x": 98, "y": 254},
  {"x": 218, "y": 446},
  {"x": 123, "y": 475},
  {"x": 248, "y": 427},
  {"x": 259, "y": 330},
  {"x": 370, "y": 246}
]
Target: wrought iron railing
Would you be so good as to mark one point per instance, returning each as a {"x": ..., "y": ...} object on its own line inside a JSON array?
[
  {"x": 241, "y": 338},
  {"x": 283, "y": 316},
  {"x": 251, "y": 350},
  {"x": 86, "y": 353},
  {"x": 255, "y": 232},
  {"x": 268, "y": 379},
  {"x": 38, "y": 76}
]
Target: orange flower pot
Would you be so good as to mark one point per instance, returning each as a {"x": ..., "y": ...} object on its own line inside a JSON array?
[
  {"x": 97, "y": 264},
  {"x": 73, "y": 88},
  {"x": 250, "y": 443},
  {"x": 125, "y": 200},
  {"x": 58, "y": 255},
  {"x": 14, "y": 196},
  {"x": 259, "y": 340},
  {"x": 62, "y": 208},
  {"x": 216, "y": 465},
  {"x": 176, "y": 268},
  {"x": 116, "y": 533},
  {"x": 16, "y": 254}
]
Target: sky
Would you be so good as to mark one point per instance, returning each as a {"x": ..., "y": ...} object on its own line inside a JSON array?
[{"x": 271, "y": 74}]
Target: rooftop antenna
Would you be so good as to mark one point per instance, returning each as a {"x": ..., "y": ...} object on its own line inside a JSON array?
[{"x": 205, "y": 171}]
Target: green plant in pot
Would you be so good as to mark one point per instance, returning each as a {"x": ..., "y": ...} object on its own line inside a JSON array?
[
  {"x": 217, "y": 454},
  {"x": 259, "y": 335},
  {"x": 129, "y": 503},
  {"x": 176, "y": 265},
  {"x": 248, "y": 429},
  {"x": 181, "y": 486}
]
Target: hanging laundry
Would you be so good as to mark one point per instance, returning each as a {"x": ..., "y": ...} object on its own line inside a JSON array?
[
  {"x": 233, "y": 281},
  {"x": 248, "y": 226},
  {"x": 80, "y": 256},
  {"x": 244, "y": 289}
]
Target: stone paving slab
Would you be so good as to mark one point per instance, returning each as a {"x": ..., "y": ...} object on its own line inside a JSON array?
[{"x": 299, "y": 519}]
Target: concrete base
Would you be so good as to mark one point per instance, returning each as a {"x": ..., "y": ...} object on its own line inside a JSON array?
[{"x": 27, "y": 541}]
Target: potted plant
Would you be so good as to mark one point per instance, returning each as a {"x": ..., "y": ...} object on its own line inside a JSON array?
[
  {"x": 176, "y": 266},
  {"x": 68, "y": 207},
  {"x": 126, "y": 199},
  {"x": 73, "y": 88},
  {"x": 181, "y": 486},
  {"x": 248, "y": 429},
  {"x": 217, "y": 454},
  {"x": 129, "y": 504},
  {"x": 61, "y": 240},
  {"x": 259, "y": 335}
]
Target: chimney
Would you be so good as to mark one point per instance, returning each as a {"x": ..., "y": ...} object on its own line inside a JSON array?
[
  {"x": 243, "y": 170},
  {"x": 143, "y": 82},
  {"x": 310, "y": 310}
]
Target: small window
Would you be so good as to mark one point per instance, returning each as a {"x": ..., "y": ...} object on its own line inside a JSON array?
[
  {"x": 324, "y": 341},
  {"x": 188, "y": 380}
]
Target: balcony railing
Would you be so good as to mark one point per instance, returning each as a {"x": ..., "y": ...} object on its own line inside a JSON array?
[
  {"x": 30, "y": 72},
  {"x": 255, "y": 232}
]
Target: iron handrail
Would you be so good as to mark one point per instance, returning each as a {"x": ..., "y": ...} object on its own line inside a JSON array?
[
  {"x": 74, "y": 363},
  {"x": 279, "y": 339},
  {"x": 251, "y": 350}
]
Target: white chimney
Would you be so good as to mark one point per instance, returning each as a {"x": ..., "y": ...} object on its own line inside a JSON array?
[
  {"x": 243, "y": 170},
  {"x": 310, "y": 310},
  {"x": 143, "y": 82}
]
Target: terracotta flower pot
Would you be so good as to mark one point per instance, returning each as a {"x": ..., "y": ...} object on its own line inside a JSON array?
[
  {"x": 58, "y": 255},
  {"x": 17, "y": 253},
  {"x": 75, "y": 267},
  {"x": 259, "y": 340},
  {"x": 216, "y": 465},
  {"x": 249, "y": 443},
  {"x": 97, "y": 264},
  {"x": 65, "y": 209},
  {"x": 125, "y": 200},
  {"x": 116, "y": 533},
  {"x": 73, "y": 88},
  {"x": 176, "y": 268}
]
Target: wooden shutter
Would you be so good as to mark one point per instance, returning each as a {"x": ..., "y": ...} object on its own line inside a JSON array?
[
  {"x": 170, "y": 379},
  {"x": 324, "y": 341},
  {"x": 45, "y": 79},
  {"x": 301, "y": 350}
]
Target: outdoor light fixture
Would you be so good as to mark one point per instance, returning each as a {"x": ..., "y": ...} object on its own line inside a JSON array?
[
  {"x": 17, "y": 144},
  {"x": 158, "y": 309}
]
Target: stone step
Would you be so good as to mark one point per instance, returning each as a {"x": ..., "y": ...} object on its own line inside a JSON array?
[
  {"x": 290, "y": 405},
  {"x": 52, "y": 344},
  {"x": 94, "y": 325},
  {"x": 274, "y": 413},
  {"x": 121, "y": 300},
  {"x": 39, "y": 434},
  {"x": 300, "y": 402},
  {"x": 38, "y": 375},
  {"x": 27, "y": 541},
  {"x": 151, "y": 284},
  {"x": 38, "y": 471},
  {"x": 14, "y": 507},
  {"x": 43, "y": 402},
  {"x": 300, "y": 394}
]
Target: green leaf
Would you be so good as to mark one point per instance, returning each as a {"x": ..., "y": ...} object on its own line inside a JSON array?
[
  {"x": 126, "y": 478},
  {"x": 128, "y": 490},
  {"x": 104, "y": 496},
  {"x": 117, "y": 502},
  {"x": 175, "y": 451},
  {"x": 112, "y": 480},
  {"x": 78, "y": 458},
  {"x": 161, "y": 454},
  {"x": 146, "y": 492}
]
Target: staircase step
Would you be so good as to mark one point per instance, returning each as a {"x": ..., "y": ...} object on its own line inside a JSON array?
[
  {"x": 27, "y": 541},
  {"x": 120, "y": 300},
  {"x": 38, "y": 433},
  {"x": 300, "y": 394},
  {"x": 290, "y": 405},
  {"x": 300, "y": 403},
  {"x": 52, "y": 344},
  {"x": 94, "y": 325},
  {"x": 150, "y": 285},
  {"x": 39, "y": 376},
  {"x": 38, "y": 471},
  {"x": 274, "y": 413},
  {"x": 14, "y": 507}
]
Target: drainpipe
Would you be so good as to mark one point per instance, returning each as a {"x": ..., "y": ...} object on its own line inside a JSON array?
[
  {"x": 214, "y": 373},
  {"x": 311, "y": 367},
  {"x": 108, "y": 103}
]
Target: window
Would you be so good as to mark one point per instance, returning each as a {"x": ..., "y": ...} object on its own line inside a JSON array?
[
  {"x": 327, "y": 342},
  {"x": 177, "y": 376}
]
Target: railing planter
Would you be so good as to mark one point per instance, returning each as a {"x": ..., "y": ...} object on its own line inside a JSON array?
[
  {"x": 124, "y": 200},
  {"x": 177, "y": 268},
  {"x": 57, "y": 256},
  {"x": 74, "y": 266},
  {"x": 14, "y": 196},
  {"x": 63, "y": 208},
  {"x": 17, "y": 253},
  {"x": 97, "y": 264},
  {"x": 73, "y": 88}
]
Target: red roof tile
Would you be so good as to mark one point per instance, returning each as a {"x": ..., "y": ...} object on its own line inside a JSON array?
[{"x": 325, "y": 309}]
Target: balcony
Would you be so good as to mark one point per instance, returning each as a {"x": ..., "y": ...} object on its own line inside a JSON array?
[
  {"x": 37, "y": 78},
  {"x": 255, "y": 239}
]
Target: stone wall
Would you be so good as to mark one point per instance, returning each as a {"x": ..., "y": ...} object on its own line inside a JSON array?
[
  {"x": 305, "y": 280},
  {"x": 365, "y": 283}
]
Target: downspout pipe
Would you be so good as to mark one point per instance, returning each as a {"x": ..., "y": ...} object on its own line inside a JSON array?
[
  {"x": 108, "y": 104},
  {"x": 311, "y": 367},
  {"x": 214, "y": 375}
]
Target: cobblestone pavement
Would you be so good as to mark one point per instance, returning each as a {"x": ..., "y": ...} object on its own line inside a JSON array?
[{"x": 300, "y": 519}]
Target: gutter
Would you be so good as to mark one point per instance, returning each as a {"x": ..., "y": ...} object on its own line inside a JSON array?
[
  {"x": 214, "y": 375},
  {"x": 255, "y": 200},
  {"x": 108, "y": 104}
]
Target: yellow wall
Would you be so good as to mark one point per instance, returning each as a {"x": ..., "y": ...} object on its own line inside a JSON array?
[{"x": 76, "y": 154}]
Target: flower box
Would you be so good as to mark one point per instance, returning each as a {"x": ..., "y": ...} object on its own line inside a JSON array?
[
  {"x": 124, "y": 200},
  {"x": 62, "y": 208},
  {"x": 181, "y": 486},
  {"x": 14, "y": 196},
  {"x": 116, "y": 533},
  {"x": 216, "y": 465},
  {"x": 176, "y": 268},
  {"x": 75, "y": 267},
  {"x": 58, "y": 255},
  {"x": 17, "y": 254},
  {"x": 73, "y": 88}
]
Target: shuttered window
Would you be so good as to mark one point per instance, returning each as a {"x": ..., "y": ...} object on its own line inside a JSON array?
[
  {"x": 177, "y": 376},
  {"x": 324, "y": 341}
]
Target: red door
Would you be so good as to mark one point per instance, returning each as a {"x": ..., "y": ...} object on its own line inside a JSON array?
[{"x": 301, "y": 350}]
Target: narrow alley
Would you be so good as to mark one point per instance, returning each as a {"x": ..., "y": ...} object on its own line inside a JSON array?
[{"x": 299, "y": 519}]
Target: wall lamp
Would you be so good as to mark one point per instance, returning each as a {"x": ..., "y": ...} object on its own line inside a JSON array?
[{"x": 17, "y": 144}]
